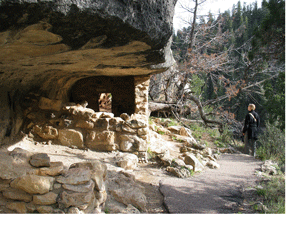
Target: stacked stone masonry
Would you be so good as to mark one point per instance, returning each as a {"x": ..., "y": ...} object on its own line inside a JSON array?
[
  {"x": 50, "y": 187},
  {"x": 74, "y": 125}
]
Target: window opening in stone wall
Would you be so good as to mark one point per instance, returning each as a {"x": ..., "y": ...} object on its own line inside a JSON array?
[
  {"x": 106, "y": 94},
  {"x": 105, "y": 102}
]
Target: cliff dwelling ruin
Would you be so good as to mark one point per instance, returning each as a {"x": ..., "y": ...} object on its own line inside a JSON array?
[
  {"x": 76, "y": 74},
  {"x": 55, "y": 54}
]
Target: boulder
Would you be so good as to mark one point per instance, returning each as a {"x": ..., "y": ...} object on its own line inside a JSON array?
[
  {"x": 70, "y": 137},
  {"x": 131, "y": 195},
  {"x": 40, "y": 160},
  {"x": 190, "y": 159},
  {"x": 178, "y": 163},
  {"x": 128, "y": 161},
  {"x": 33, "y": 184}
]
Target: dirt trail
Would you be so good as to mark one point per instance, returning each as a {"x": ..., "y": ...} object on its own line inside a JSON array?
[{"x": 212, "y": 191}]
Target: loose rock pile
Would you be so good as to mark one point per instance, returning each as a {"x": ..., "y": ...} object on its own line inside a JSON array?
[
  {"x": 49, "y": 187},
  {"x": 80, "y": 127},
  {"x": 193, "y": 158}
]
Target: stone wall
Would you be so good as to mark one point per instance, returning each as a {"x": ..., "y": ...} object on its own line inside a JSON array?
[
  {"x": 49, "y": 187},
  {"x": 74, "y": 125}
]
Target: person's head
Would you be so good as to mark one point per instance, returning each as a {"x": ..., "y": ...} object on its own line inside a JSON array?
[{"x": 251, "y": 107}]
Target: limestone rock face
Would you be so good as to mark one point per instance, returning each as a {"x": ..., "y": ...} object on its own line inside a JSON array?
[{"x": 50, "y": 45}]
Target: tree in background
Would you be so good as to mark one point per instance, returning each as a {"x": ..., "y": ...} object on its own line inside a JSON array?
[{"x": 225, "y": 62}]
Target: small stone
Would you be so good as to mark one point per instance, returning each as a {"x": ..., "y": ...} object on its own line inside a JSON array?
[
  {"x": 40, "y": 160},
  {"x": 143, "y": 131},
  {"x": 125, "y": 116},
  {"x": 44, "y": 209},
  {"x": 45, "y": 132},
  {"x": 107, "y": 115},
  {"x": 19, "y": 207},
  {"x": 30, "y": 207},
  {"x": 57, "y": 186},
  {"x": 85, "y": 124},
  {"x": 182, "y": 172},
  {"x": 56, "y": 168},
  {"x": 130, "y": 210},
  {"x": 212, "y": 165},
  {"x": 74, "y": 210},
  {"x": 46, "y": 199},
  {"x": 80, "y": 188}
]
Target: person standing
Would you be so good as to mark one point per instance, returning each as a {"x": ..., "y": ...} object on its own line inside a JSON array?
[{"x": 250, "y": 130}]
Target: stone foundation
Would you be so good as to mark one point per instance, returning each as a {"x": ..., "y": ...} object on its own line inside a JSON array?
[{"x": 49, "y": 187}]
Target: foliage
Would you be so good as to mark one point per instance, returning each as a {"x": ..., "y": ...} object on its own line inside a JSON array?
[
  {"x": 272, "y": 145},
  {"x": 275, "y": 101},
  {"x": 273, "y": 193},
  {"x": 225, "y": 137},
  {"x": 230, "y": 60}
]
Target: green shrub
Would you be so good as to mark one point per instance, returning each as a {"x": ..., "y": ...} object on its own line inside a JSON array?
[
  {"x": 273, "y": 193},
  {"x": 271, "y": 145}
]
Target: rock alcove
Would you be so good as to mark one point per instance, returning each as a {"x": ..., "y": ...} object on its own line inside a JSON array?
[{"x": 56, "y": 52}]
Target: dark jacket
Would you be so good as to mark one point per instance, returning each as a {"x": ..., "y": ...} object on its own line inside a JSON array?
[{"x": 251, "y": 126}]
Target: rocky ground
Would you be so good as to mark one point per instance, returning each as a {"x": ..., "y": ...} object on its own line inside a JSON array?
[{"x": 132, "y": 190}]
